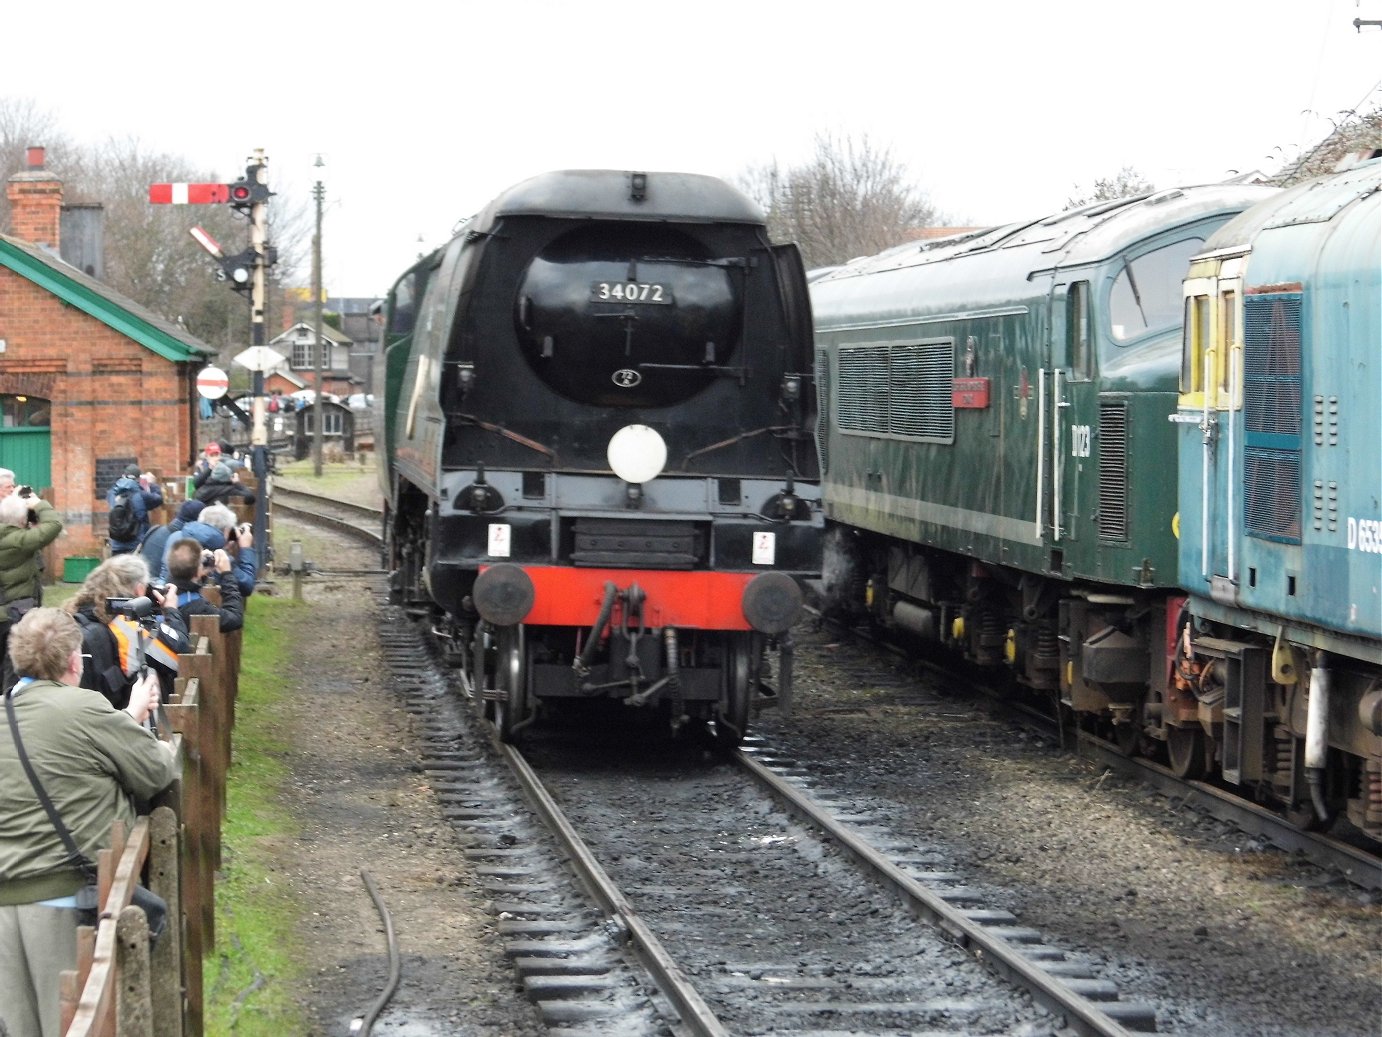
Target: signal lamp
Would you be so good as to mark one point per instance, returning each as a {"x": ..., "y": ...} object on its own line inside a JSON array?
[
  {"x": 238, "y": 271},
  {"x": 247, "y": 191}
]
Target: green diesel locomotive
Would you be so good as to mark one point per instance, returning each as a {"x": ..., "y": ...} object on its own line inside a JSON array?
[{"x": 985, "y": 401}]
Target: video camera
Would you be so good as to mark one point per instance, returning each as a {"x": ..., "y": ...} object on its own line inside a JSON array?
[{"x": 139, "y": 610}]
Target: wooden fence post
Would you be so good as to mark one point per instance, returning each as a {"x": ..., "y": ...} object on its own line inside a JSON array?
[
  {"x": 134, "y": 1013},
  {"x": 167, "y": 963},
  {"x": 186, "y": 721},
  {"x": 200, "y": 668}
]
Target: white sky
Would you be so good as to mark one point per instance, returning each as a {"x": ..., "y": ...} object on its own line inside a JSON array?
[{"x": 423, "y": 110}]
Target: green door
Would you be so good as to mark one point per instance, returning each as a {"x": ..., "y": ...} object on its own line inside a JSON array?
[{"x": 26, "y": 440}]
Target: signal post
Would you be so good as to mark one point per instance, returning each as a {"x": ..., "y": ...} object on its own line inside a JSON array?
[{"x": 244, "y": 272}]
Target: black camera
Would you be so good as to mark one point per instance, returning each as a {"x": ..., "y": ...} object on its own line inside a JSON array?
[
  {"x": 141, "y": 610},
  {"x": 208, "y": 559},
  {"x": 24, "y": 491}
]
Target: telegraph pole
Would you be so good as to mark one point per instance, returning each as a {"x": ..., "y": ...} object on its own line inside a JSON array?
[{"x": 318, "y": 408}]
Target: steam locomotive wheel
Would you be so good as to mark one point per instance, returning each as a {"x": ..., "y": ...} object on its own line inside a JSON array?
[
  {"x": 1185, "y": 751},
  {"x": 511, "y": 679},
  {"x": 732, "y": 713}
]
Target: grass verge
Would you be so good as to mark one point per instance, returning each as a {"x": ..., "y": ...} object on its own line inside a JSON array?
[
  {"x": 348, "y": 480},
  {"x": 257, "y": 963}
]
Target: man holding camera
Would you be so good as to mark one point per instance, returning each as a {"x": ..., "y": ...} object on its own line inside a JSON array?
[
  {"x": 91, "y": 760},
  {"x": 140, "y": 493},
  {"x": 28, "y": 524},
  {"x": 216, "y": 527},
  {"x": 188, "y": 567}
]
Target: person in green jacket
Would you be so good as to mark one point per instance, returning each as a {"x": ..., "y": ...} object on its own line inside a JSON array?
[
  {"x": 28, "y": 524},
  {"x": 93, "y": 761}
]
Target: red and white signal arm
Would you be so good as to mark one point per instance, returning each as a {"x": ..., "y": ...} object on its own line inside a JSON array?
[{"x": 212, "y": 383}]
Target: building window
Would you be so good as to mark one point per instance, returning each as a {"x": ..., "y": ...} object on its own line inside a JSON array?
[
  {"x": 25, "y": 412},
  {"x": 333, "y": 425},
  {"x": 304, "y": 359}
]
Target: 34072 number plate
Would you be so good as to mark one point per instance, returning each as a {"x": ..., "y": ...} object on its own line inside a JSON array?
[{"x": 630, "y": 291}]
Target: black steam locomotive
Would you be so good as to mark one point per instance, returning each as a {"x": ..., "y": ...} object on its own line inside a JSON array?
[{"x": 601, "y": 479}]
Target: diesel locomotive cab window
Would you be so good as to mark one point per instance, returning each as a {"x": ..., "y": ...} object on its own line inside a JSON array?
[
  {"x": 620, "y": 314},
  {"x": 1077, "y": 321},
  {"x": 1146, "y": 294},
  {"x": 1195, "y": 345}
]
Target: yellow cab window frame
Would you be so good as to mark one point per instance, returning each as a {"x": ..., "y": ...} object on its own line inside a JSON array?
[{"x": 1212, "y": 347}]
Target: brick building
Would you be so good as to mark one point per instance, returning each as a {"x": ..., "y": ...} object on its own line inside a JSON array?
[{"x": 89, "y": 380}]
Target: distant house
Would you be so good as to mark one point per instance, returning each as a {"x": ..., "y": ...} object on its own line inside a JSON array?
[
  {"x": 362, "y": 321},
  {"x": 90, "y": 381},
  {"x": 299, "y": 345}
]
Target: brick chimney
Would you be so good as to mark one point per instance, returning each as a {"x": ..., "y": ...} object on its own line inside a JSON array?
[{"x": 35, "y": 197}]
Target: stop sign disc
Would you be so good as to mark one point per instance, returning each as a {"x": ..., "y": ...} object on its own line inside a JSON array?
[{"x": 212, "y": 383}]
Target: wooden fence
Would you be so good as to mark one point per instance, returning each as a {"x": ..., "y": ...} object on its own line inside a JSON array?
[{"x": 121, "y": 987}]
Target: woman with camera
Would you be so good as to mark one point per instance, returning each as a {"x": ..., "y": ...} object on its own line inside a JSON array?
[
  {"x": 127, "y": 627},
  {"x": 28, "y": 524}
]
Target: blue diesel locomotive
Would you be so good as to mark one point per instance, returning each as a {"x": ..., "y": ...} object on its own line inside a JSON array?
[{"x": 1277, "y": 676}]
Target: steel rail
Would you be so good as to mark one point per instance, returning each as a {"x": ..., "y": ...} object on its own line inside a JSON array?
[
  {"x": 1357, "y": 865},
  {"x": 696, "y": 1015},
  {"x": 363, "y": 511},
  {"x": 366, "y": 536},
  {"x": 1080, "y": 1014}
]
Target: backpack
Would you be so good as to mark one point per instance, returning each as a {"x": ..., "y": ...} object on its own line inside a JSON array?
[
  {"x": 124, "y": 523},
  {"x": 103, "y": 672}
]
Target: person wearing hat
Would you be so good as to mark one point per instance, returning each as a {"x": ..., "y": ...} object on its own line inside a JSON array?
[
  {"x": 131, "y": 487},
  {"x": 211, "y": 456}
]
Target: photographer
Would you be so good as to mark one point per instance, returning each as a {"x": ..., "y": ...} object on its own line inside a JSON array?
[
  {"x": 188, "y": 566},
  {"x": 28, "y": 524},
  {"x": 215, "y": 528},
  {"x": 222, "y": 486},
  {"x": 128, "y": 503},
  {"x": 92, "y": 760},
  {"x": 127, "y": 627}
]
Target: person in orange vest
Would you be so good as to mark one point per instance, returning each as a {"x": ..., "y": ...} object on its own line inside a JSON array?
[{"x": 143, "y": 631}]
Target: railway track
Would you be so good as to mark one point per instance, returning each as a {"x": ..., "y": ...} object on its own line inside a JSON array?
[
  {"x": 662, "y": 893},
  {"x": 1355, "y": 863},
  {"x": 1359, "y": 865},
  {"x": 360, "y": 523},
  {"x": 641, "y": 940}
]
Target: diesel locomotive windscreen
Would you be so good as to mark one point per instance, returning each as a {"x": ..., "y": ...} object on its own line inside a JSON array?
[{"x": 619, "y": 314}]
